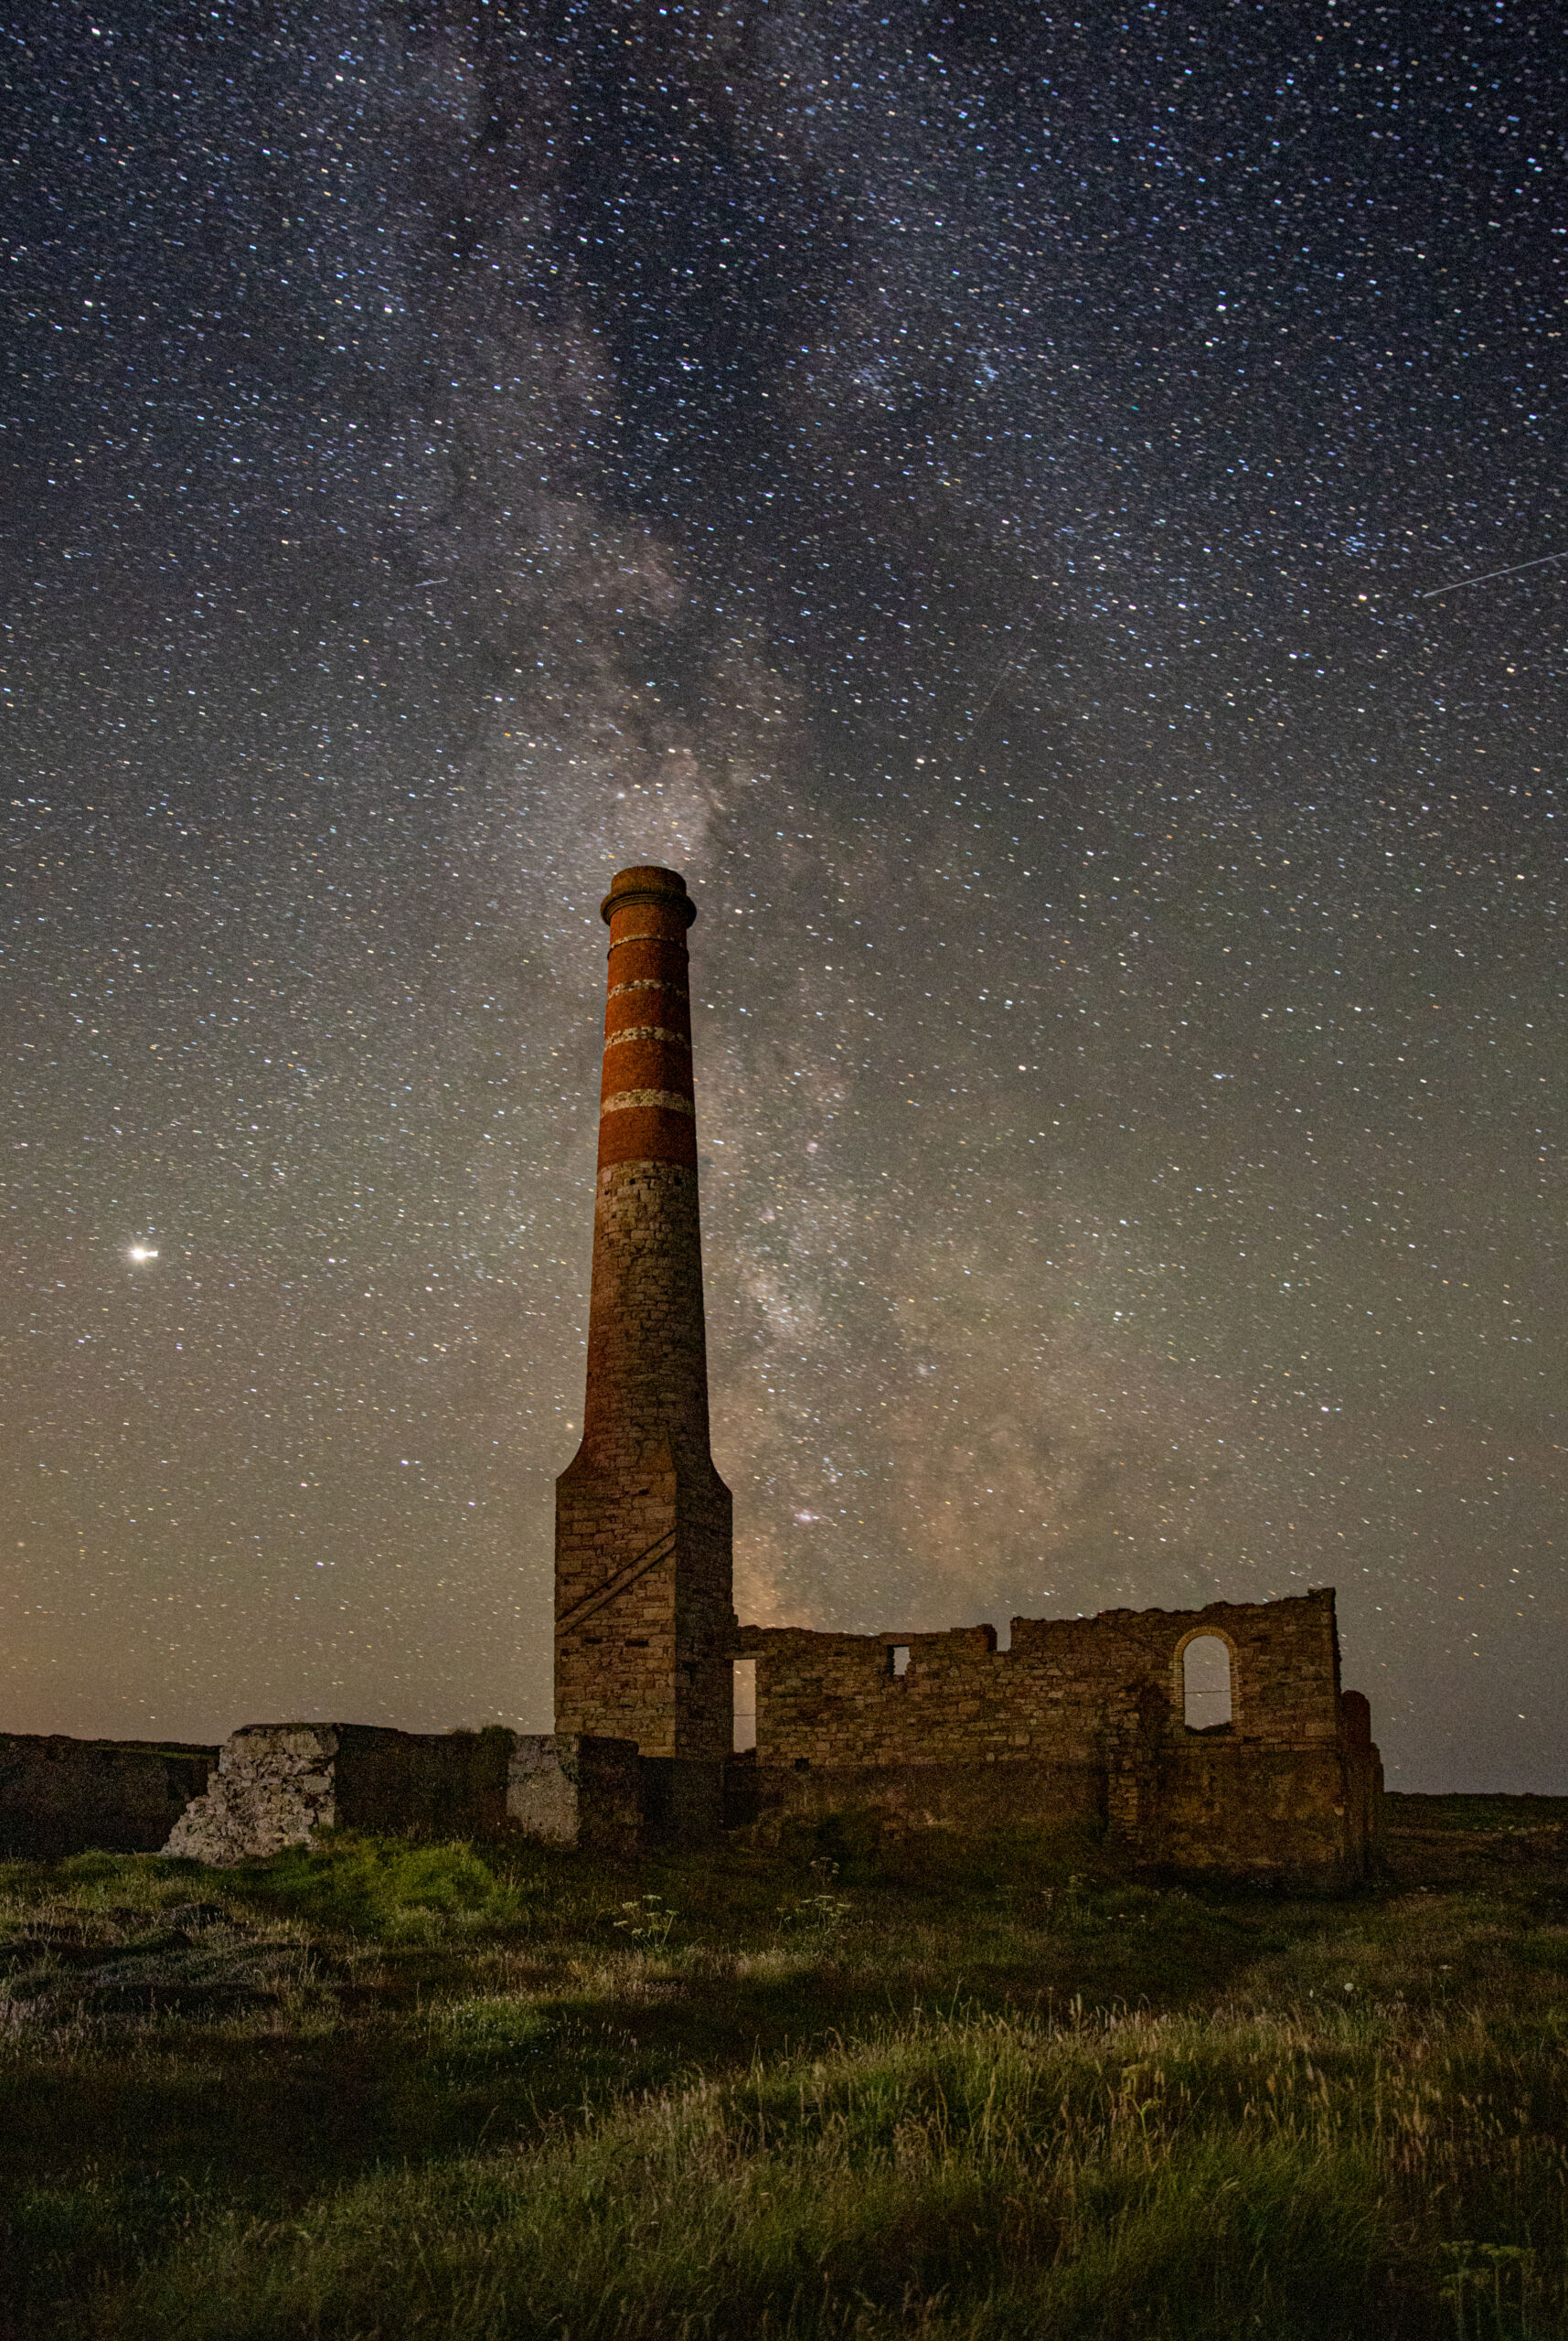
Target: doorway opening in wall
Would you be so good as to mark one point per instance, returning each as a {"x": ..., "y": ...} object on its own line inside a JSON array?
[
  {"x": 1206, "y": 1683},
  {"x": 745, "y": 1704}
]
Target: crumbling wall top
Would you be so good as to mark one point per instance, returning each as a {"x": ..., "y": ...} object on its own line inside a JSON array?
[{"x": 908, "y": 1697}]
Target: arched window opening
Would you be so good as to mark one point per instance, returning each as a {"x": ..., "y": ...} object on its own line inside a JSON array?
[
  {"x": 1206, "y": 1683},
  {"x": 745, "y": 1704}
]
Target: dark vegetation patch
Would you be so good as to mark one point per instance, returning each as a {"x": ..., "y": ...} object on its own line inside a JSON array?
[{"x": 845, "y": 2085}]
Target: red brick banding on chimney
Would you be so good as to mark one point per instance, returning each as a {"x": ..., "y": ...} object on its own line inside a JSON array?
[{"x": 647, "y": 1110}]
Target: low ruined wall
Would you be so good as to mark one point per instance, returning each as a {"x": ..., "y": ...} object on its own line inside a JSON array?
[
  {"x": 64, "y": 1796},
  {"x": 1367, "y": 1845},
  {"x": 905, "y": 1797},
  {"x": 284, "y": 1784},
  {"x": 683, "y": 1800},
  {"x": 281, "y": 1784},
  {"x": 1187, "y": 1804},
  {"x": 1268, "y": 1813},
  {"x": 275, "y": 1785},
  {"x": 573, "y": 1788},
  {"x": 422, "y": 1784}
]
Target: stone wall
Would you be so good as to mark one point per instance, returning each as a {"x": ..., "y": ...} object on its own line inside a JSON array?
[
  {"x": 968, "y": 1797},
  {"x": 275, "y": 1785},
  {"x": 283, "y": 1784},
  {"x": 643, "y": 1616},
  {"x": 1080, "y": 1715},
  {"x": 834, "y": 1699},
  {"x": 571, "y": 1789},
  {"x": 1363, "y": 1783},
  {"x": 64, "y": 1796}
]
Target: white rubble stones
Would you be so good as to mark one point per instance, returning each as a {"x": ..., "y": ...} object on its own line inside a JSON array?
[{"x": 275, "y": 1785}]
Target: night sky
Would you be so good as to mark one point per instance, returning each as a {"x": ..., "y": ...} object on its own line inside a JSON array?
[{"x": 970, "y": 487}]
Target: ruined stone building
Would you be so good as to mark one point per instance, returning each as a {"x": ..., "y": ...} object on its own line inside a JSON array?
[
  {"x": 1097, "y": 1718},
  {"x": 1216, "y": 1738}
]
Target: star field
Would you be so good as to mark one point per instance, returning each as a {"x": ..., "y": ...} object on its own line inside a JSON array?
[{"x": 967, "y": 485}]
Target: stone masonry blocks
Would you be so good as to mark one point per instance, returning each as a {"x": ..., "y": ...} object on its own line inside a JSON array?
[
  {"x": 644, "y": 1621},
  {"x": 1291, "y": 1784},
  {"x": 284, "y": 1784},
  {"x": 275, "y": 1785}
]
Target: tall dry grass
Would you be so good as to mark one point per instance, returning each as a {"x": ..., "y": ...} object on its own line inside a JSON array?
[{"x": 1337, "y": 2172}]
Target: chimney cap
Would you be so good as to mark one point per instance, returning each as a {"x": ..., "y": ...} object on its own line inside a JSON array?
[{"x": 647, "y": 883}]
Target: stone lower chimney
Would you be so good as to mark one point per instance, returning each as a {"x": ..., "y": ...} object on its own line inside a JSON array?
[{"x": 644, "y": 1623}]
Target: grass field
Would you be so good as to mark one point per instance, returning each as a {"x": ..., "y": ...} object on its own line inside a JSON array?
[{"x": 947, "y": 2090}]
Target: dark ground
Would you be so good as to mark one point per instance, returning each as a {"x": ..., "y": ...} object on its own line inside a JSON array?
[{"x": 385, "y": 2090}]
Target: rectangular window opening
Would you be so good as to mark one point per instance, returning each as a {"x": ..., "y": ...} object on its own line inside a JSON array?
[
  {"x": 745, "y": 1704},
  {"x": 897, "y": 1661}
]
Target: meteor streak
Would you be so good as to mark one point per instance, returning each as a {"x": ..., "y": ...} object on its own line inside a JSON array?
[{"x": 1486, "y": 579}]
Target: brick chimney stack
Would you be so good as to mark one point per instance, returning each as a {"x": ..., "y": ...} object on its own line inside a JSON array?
[{"x": 644, "y": 1622}]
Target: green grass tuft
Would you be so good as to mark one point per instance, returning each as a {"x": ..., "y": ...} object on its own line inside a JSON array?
[{"x": 368, "y": 1886}]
